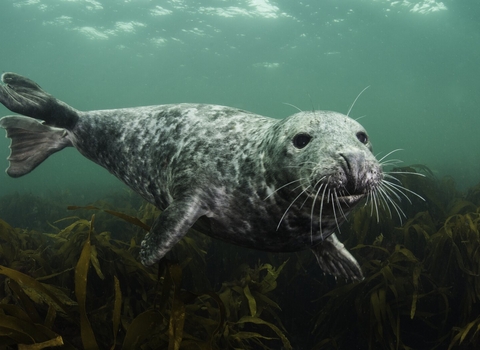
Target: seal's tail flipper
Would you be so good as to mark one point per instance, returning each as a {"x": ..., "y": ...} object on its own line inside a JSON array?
[
  {"x": 22, "y": 95},
  {"x": 32, "y": 143},
  {"x": 334, "y": 259}
]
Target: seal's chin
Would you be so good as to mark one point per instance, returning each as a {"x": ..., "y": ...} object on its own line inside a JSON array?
[{"x": 351, "y": 200}]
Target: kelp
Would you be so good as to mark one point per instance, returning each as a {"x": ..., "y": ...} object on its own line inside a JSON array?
[
  {"x": 77, "y": 280},
  {"x": 87, "y": 290},
  {"x": 81, "y": 275}
]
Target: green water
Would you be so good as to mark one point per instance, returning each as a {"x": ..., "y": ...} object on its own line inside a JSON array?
[
  {"x": 421, "y": 66},
  {"x": 419, "y": 58}
]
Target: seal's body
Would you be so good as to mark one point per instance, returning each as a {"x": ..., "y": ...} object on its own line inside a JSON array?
[{"x": 269, "y": 184}]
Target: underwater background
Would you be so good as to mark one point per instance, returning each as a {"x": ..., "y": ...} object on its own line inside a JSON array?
[{"x": 420, "y": 59}]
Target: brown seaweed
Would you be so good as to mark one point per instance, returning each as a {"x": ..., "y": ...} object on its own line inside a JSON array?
[
  {"x": 93, "y": 293},
  {"x": 76, "y": 281}
]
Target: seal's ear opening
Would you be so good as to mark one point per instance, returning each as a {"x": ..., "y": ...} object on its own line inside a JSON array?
[{"x": 301, "y": 140}]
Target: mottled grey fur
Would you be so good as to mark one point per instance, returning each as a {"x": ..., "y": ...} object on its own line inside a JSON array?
[{"x": 219, "y": 168}]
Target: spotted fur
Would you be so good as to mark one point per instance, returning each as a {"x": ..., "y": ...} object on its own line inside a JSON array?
[{"x": 236, "y": 175}]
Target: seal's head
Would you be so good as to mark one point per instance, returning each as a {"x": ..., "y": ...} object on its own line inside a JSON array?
[{"x": 326, "y": 156}]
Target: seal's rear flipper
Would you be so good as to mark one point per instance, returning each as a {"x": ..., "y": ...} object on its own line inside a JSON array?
[
  {"x": 334, "y": 259},
  {"x": 22, "y": 95},
  {"x": 32, "y": 143}
]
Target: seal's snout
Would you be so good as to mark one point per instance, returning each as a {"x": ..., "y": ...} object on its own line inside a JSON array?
[{"x": 357, "y": 173}]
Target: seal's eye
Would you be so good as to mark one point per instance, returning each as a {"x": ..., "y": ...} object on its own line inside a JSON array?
[
  {"x": 301, "y": 140},
  {"x": 362, "y": 137}
]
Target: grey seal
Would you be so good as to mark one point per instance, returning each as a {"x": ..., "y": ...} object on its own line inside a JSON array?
[{"x": 278, "y": 185}]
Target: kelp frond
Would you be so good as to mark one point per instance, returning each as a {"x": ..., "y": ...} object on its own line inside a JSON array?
[
  {"x": 119, "y": 302},
  {"x": 77, "y": 280}
]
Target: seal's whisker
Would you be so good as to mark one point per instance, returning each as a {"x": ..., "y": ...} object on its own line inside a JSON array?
[
  {"x": 378, "y": 202},
  {"x": 298, "y": 167},
  {"x": 371, "y": 205},
  {"x": 389, "y": 175},
  {"x": 369, "y": 200},
  {"x": 390, "y": 162},
  {"x": 357, "y": 119},
  {"x": 340, "y": 209},
  {"x": 405, "y": 173},
  {"x": 394, "y": 178},
  {"x": 321, "y": 210},
  {"x": 343, "y": 193},
  {"x": 374, "y": 201},
  {"x": 392, "y": 191},
  {"x": 397, "y": 208},
  {"x": 401, "y": 188},
  {"x": 301, "y": 165},
  {"x": 381, "y": 201},
  {"x": 313, "y": 204},
  {"x": 305, "y": 201},
  {"x": 384, "y": 202},
  {"x": 278, "y": 189},
  {"x": 353, "y": 104},
  {"x": 289, "y": 104},
  {"x": 395, "y": 205},
  {"x": 294, "y": 189},
  {"x": 388, "y": 186},
  {"x": 308, "y": 162},
  {"x": 369, "y": 195},
  {"x": 389, "y": 153},
  {"x": 386, "y": 189},
  {"x": 311, "y": 211},
  {"x": 333, "y": 207},
  {"x": 337, "y": 202},
  {"x": 286, "y": 211},
  {"x": 316, "y": 183}
]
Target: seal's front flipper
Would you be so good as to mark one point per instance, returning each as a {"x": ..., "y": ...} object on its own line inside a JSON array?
[
  {"x": 32, "y": 143},
  {"x": 172, "y": 224},
  {"x": 24, "y": 96},
  {"x": 334, "y": 259}
]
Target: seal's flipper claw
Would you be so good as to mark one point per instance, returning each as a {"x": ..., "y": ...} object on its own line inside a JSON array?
[
  {"x": 334, "y": 259},
  {"x": 170, "y": 226},
  {"x": 24, "y": 96}
]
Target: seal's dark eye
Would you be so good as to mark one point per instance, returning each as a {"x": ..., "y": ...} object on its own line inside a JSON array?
[
  {"x": 362, "y": 137},
  {"x": 301, "y": 140}
]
